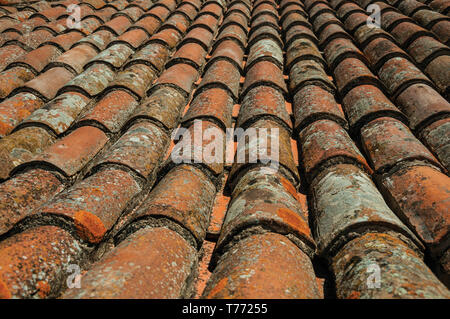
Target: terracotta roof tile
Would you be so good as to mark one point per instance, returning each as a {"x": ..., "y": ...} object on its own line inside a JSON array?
[
  {"x": 352, "y": 72},
  {"x": 348, "y": 166},
  {"x": 200, "y": 149},
  {"x": 222, "y": 74},
  {"x": 415, "y": 192},
  {"x": 20, "y": 146},
  {"x": 265, "y": 49},
  {"x": 259, "y": 255},
  {"x": 135, "y": 78},
  {"x": 133, "y": 37},
  {"x": 277, "y": 211},
  {"x": 14, "y": 78},
  {"x": 324, "y": 142},
  {"x": 15, "y": 109},
  {"x": 140, "y": 148},
  {"x": 92, "y": 206},
  {"x": 264, "y": 73},
  {"x": 38, "y": 59},
  {"x": 90, "y": 82},
  {"x": 214, "y": 103},
  {"x": 19, "y": 277},
  {"x": 163, "y": 105},
  {"x": 239, "y": 6},
  {"x": 148, "y": 23},
  {"x": 307, "y": 72},
  {"x": 265, "y": 31},
  {"x": 199, "y": 36},
  {"x": 388, "y": 142},
  {"x": 403, "y": 266},
  {"x": 397, "y": 73},
  {"x": 422, "y": 105},
  {"x": 441, "y": 6},
  {"x": 180, "y": 76},
  {"x": 336, "y": 214},
  {"x": 113, "y": 56},
  {"x": 299, "y": 32},
  {"x": 140, "y": 258},
  {"x": 58, "y": 114},
  {"x": 169, "y": 37},
  {"x": 312, "y": 102},
  {"x": 263, "y": 101},
  {"x": 245, "y": 157},
  {"x": 47, "y": 84},
  {"x": 365, "y": 102},
  {"x": 75, "y": 58},
  {"x": 228, "y": 50},
  {"x": 161, "y": 12},
  {"x": 66, "y": 40},
  {"x": 265, "y": 18},
  {"x": 153, "y": 54},
  {"x": 170, "y": 200},
  {"x": 207, "y": 22},
  {"x": 190, "y": 53},
  {"x": 436, "y": 137},
  {"x": 437, "y": 71},
  {"x": 111, "y": 111},
  {"x": 71, "y": 153},
  {"x": 302, "y": 49},
  {"x": 232, "y": 32},
  {"x": 292, "y": 18},
  {"x": 330, "y": 32}
]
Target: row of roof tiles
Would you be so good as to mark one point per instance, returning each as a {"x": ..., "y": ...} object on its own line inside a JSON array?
[{"x": 94, "y": 172}]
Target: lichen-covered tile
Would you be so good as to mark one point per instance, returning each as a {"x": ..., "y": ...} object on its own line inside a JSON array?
[
  {"x": 150, "y": 263},
  {"x": 345, "y": 204},
  {"x": 265, "y": 143},
  {"x": 263, "y": 266},
  {"x": 388, "y": 142},
  {"x": 164, "y": 105},
  {"x": 313, "y": 102},
  {"x": 13, "y": 78},
  {"x": 366, "y": 102},
  {"x": 93, "y": 205},
  {"x": 382, "y": 266},
  {"x": 214, "y": 103},
  {"x": 140, "y": 148},
  {"x": 35, "y": 263},
  {"x": 59, "y": 113},
  {"x": 437, "y": 138},
  {"x": 111, "y": 111},
  {"x": 72, "y": 152},
  {"x": 21, "y": 146},
  {"x": 263, "y": 73},
  {"x": 90, "y": 82},
  {"x": 422, "y": 105},
  {"x": 264, "y": 201},
  {"x": 222, "y": 74},
  {"x": 324, "y": 143},
  {"x": 23, "y": 193},
  {"x": 263, "y": 102},
  {"x": 15, "y": 109},
  {"x": 419, "y": 195},
  {"x": 169, "y": 199}
]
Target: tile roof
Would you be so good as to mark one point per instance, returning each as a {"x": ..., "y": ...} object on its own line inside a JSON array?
[{"x": 359, "y": 116}]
